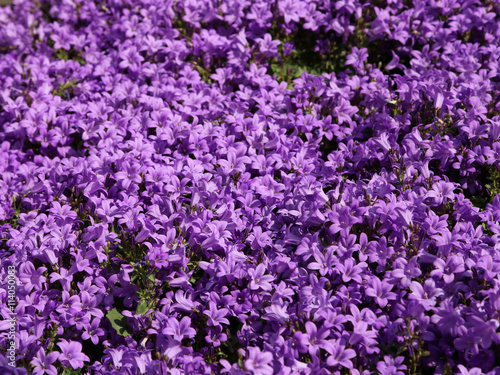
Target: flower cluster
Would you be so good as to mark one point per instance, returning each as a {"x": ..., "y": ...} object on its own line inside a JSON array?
[{"x": 251, "y": 187}]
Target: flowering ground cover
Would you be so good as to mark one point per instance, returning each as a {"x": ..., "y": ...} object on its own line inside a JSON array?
[{"x": 250, "y": 187}]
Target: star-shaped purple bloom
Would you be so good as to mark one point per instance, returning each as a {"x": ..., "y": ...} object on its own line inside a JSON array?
[{"x": 71, "y": 354}]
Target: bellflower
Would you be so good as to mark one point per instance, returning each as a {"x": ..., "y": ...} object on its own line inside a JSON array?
[
  {"x": 94, "y": 331},
  {"x": 44, "y": 364},
  {"x": 71, "y": 354},
  {"x": 258, "y": 362},
  {"x": 259, "y": 280}
]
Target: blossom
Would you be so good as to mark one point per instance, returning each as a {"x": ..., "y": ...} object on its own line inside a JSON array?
[
  {"x": 391, "y": 366},
  {"x": 258, "y": 362},
  {"x": 259, "y": 280},
  {"x": 357, "y": 57},
  {"x": 268, "y": 46},
  {"x": 216, "y": 316},
  {"x": 44, "y": 363},
  {"x": 316, "y": 337},
  {"x": 94, "y": 331},
  {"x": 381, "y": 291},
  {"x": 339, "y": 355},
  {"x": 454, "y": 264},
  {"x": 215, "y": 336},
  {"x": 426, "y": 294},
  {"x": 441, "y": 191},
  {"x": 130, "y": 58},
  {"x": 179, "y": 329},
  {"x": 472, "y": 371},
  {"x": 299, "y": 342},
  {"x": 30, "y": 277},
  {"x": 71, "y": 354}
]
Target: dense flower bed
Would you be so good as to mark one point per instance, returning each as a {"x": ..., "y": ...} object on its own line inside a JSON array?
[{"x": 251, "y": 187}]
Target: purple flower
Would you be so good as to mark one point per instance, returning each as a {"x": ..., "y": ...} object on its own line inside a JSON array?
[
  {"x": 488, "y": 267},
  {"x": 71, "y": 354},
  {"x": 289, "y": 10},
  {"x": 339, "y": 355},
  {"x": 405, "y": 271},
  {"x": 288, "y": 48},
  {"x": 30, "y": 277},
  {"x": 300, "y": 342},
  {"x": 446, "y": 240},
  {"x": 435, "y": 224},
  {"x": 325, "y": 261},
  {"x": 183, "y": 303},
  {"x": 268, "y": 46},
  {"x": 316, "y": 337},
  {"x": 93, "y": 332},
  {"x": 426, "y": 295},
  {"x": 381, "y": 291},
  {"x": 258, "y": 362},
  {"x": 351, "y": 271},
  {"x": 259, "y": 280},
  {"x": 129, "y": 176},
  {"x": 472, "y": 371},
  {"x": 316, "y": 214},
  {"x": 243, "y": 304},
  {"x": 391, "y": 366},
  {"x": 179, "y": 329},
  {"x": 277, "y": 312},
  {"x": 215, "y": 336},
  {"x": 130, "y": 58},
  {"x": 215, "y": 315},
  {"x": 260, "y": 239},
  {"x": 342, "y": 221},
  {"x": 43, "y": 363},
  {"x": 116, "y": 356},
  {"x": 64, "y": 277},
  {"x": 70, "y": 304},
  {"x": 170, "y": 347},
  {"x": 485, "y": 330},
  {"x": 447, "y": 269},
  {"x": 441, "y": 191},
  {"x": 357, "y": 57}
]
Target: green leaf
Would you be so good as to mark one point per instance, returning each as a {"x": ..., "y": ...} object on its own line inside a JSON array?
[
  {"x": 143, "y": 307},
  {"x": 4, "y": 3},
  {"x": 65, "y": 88},
  {"x": 119, "y": 322},
  {"x": 70, "y": 371},
  {"x": 425, "y": 353},
  {"x": 151, "y": 277}
]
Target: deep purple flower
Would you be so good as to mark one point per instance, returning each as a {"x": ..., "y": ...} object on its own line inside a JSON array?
[
  {"x": 71, "y": 354},
  {"x": 300, "y": 342},
  {"x": 391, "y": 366},
  {"x": 215, "y": 315},
  {"x": 357, "y": 57},
  {"x": 381, "y": 291},
  {"x": 44, "y": 364},
  {"x": 179, "y": 329},
  {"x": 93, "y": 332},
  {"x": 425, "y": 295},
  {"x": 447, "y": 269},
  {"x": 215, "y": 336},
  {"x": 339, "y": 355},
  {"x": 441, "y": 191},
  {"x": 259, "y": 280},
  {"x": 316, "y": 337},
  {"x": 472, "y": 371},
  {"x": 258, "y": 362}
]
